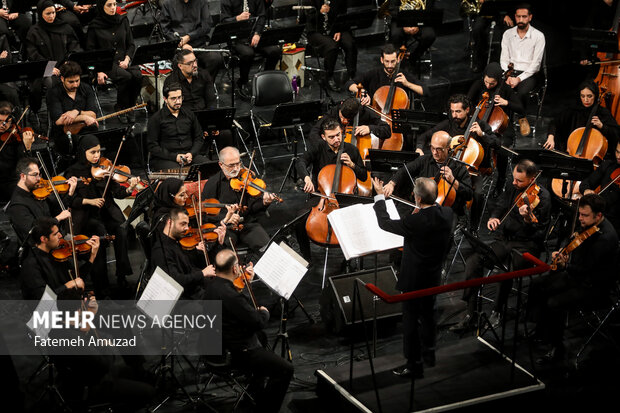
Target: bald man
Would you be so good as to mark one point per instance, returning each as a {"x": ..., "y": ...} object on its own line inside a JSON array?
[{"x": 218, "y": 186}]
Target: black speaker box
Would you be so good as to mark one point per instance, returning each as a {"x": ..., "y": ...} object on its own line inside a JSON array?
[{"x": 337, "y": 298}]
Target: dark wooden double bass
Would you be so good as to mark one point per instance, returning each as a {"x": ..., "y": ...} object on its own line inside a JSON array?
[{"x": 334, "y": 178}]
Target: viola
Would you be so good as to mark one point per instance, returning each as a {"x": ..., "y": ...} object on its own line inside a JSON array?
[
  {"x": 577, "y": 240},
  {"x": 530, "y": 198},
  {"x": 63, "y": 251},
  {"x": 254, "y": 186},
  {"x": 363, "y": 144},
  {"x": 192, "y": 237},
  {"x": 44, "y": 188}
]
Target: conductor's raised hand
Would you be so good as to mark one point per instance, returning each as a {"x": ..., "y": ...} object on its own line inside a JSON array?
[{"x": 378, "y": 185}]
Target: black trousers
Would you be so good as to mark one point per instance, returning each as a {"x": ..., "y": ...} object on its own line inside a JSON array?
[
  {"x": 246, "y": 57},
  {"x": 327, "y": 48},
  {"x": 264, "y": 364},
  {"x": 523, "y": 90},
  {"x": 212, "y": 61},
  {"x": 21, "y": 25},
  {"x": 423, "y": 39},
  {"x": 38, "y": 89},
  {"x": 253, "y": 235},
  {"x": 419, "y": 328},
  {"x": 157, "y": 164},
  {"x": 128, "y": 84}
]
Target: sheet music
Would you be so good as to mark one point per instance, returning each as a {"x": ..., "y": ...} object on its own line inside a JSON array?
[
  {"x": 281, "y": 269},
  {"x": 160, "y": 295},
  {"x": 49, "y": 68},
  {"x": 46, "y": 304},
  {"x": 358, "y": 239}
]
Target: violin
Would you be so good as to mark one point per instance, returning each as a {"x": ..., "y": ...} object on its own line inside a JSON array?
[
  {"x": 192, "y": 237},
  {"x": 103, "y": 170},
  {"x": 254, "y": 186},
  {"x": 63, "y": 252},
  {"x": 530, "y": 198},
  {"x": 243, "y": 279},
  {"x": 469, "y": 150},
  {"x": 44, "y": 188},
  {"x": 363, "y": 144},
  {"x": 17, "y": 132},
  {"x": 614, "y": 180},
  {"x": 210, "y": 207},
  {"x": 577, "y": 240}
]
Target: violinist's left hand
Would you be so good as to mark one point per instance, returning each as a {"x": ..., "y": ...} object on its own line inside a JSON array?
[
  {"x": 133, "y": 182},
  {"x": 597, "y": 122},
  {"x": 347, "y": 160},
  {"x": 560, "y": 259},
  {"x": 475, "y": 128},
  {"x": 250, "y": 270},
  {"x": 230, "y": 211},
  {"x": 72, "y": 185},
  {"x": 94, "y": 247},
  {"x": 362, "y": 130},
  {"x": 28, "y": 139},
  {"x": 268, "y": 198},
  {"x": 221, "y": 233},
  {"x": 524, "y": 210}
]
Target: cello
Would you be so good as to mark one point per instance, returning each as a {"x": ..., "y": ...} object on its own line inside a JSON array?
[
  {"x": 391, "y": 97},
  {"x": 363, "y": 144},
  {"x": 607, "y": 77},
  {"x": 468, "y": 150},
  {"x": 494, "y": 115}
]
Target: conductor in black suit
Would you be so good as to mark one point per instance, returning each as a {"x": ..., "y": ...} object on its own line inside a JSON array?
[{"x": 426, "y": 235}]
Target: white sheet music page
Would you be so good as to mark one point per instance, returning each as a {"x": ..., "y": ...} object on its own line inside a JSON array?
[
  {"x": 163, "y": 288},
  {"x": 281, "y": 269},
  {"x": 358, "y": 232},
  {"x": 47, "y": 303}
]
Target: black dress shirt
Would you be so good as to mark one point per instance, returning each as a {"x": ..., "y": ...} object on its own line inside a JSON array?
[
  {"x": 240, "y": 320},
  {"x": 198, "y": 94},
  {"x": 367, "y": 117},
  {"x": 503, "y": 90},
  {"x": 373, "y": 79},
  {"x": 44, "y": 45},
  {"x": 321, "y": 154},
  {"x": 232, "y": 8},
  {"x": 602, "y": 177},
  {"x": 120, "y": 39},
  {"x": 59, "y": 102},
  {"x": 24, "y": 209},
  {"x": 218, "y": 187},
  {"x": 169, "y": 135},
  {"x": 192, "y": 18},
  {"x": 315, "y": 20}
]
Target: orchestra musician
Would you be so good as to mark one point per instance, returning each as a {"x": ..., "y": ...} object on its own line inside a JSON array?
[
  {"x": 13, "y": 150},
  {"x": 41, "y": 269},
  {"x": 416, "y": 39},
  {"x": 319, "y": 22},
  {"x": 600, "y": 181},
  {"x": 523, "y": 46},
  {"x": 600, "y": 17},
  {"x": 11, "y": 17},
  {"x": 174, "y": 134},
  {"x": 233, "y": 10},
  {"x": 110, "y": 30},
  {"x": 517, "y": 230},
  {"x": 219, "y": 187},
  {"x": 586, "y": 276},
  {"x": 8, "y": 90},
  {"x": 577, "y": 116},
  {"x": 76, "y": 15},
  {"x": 427, "y": 239},
  {"x": 242, "y": 323}
]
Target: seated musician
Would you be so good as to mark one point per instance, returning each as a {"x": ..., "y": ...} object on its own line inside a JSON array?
[
  {"x": 197, "y": 87},
  {"x": 112, "y": 31},
  {"x": 12, "y": 151},
  {"x": 504, "y": 97},
  {"x": 323, "y": 153},
  {"x": 437, "y": 165},
  {"x": 368, "y": 123},
  {"x": 232, "y": 10},
  {"x": 24, "y": 208},
  {"x": 242, "y": 323},
  {"x": 70, "y": 102},
  {"x": 12, "y": 16},
  {"x": 480, "y": 32},
  {"x": 95, "y": 212},
  {"x": 577, "y": 115},
  {"x": 417, "y": 39},
  {"x": 585, "y": 276},
  {"x": 8, "y": 90},
  {"x": 167, "y": 254},
  {"x": 427, "y": 234},
  {"x": 174, "y": 134},
  {"x": 41, "y": 269},
  {"x": 600, "y": 182},
  {"x": 517, "y": 230},
  {"x": 48, "y": 40},
  {"x": 319, "y": 22},
  {"x": 523, "y": 46},
  {"x": 219, "y": 187},
  {"x": 189, "y": 22},
  {"x": 76, "y": 15}
]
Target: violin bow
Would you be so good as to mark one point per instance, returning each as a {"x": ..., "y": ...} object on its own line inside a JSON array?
[
  {"x": 118, "y": 151},
  {"x": 241, "y": 274},
  {"x": 14, "y": 128},
  {"x": 520, "y": 195},
  {"x": 198, "y": 213},
  {"x": 247, "y": 177}
]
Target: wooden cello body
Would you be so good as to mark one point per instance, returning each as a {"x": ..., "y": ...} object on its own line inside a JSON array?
[
  {"x": 608, "y": 79},
  {"x": 363, "y": 144},
  {"x": 466, "y": 149}
]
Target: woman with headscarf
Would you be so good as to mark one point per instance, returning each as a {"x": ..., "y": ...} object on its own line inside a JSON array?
[
  {"x": 110, "y": 30},
  {"x": 48, "y": 40},
  {"x": 94, "y": 214}
]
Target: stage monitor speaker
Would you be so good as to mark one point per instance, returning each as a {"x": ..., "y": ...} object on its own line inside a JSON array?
[{"x": 337, "y": 298}]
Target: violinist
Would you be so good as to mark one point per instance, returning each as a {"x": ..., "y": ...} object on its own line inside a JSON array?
[
  {"x": 12, "y": 151},
  {"x": 24, "y": 208},
  {"x": 427, "y": 239},
  {"x": 174, "y": 136},
  {"x": 518, "y": 230},
  {"x": 577, "y": 116},
  {"x": 585, "y": 276},
  {"x": 40, "y": 268},
  {"x": 241, "y": 322},
  {"x": 600, "y": 182},
  {"x": 168, "y": 255},
  {"x": 219, "y": 187}
]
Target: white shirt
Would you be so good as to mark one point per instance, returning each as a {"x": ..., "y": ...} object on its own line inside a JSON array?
[{"x": 526, "y": 54}]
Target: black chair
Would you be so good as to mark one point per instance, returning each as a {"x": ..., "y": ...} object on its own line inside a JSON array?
[
  {"x": 539, "y": 93},
  {"x": 221, "y": 367}
]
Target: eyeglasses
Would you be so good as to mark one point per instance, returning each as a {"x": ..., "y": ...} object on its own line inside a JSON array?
[
  {"x": 434, "y": 149},
  {"x": 190, "y": 63},
  {"x": 232, "y": 165}
]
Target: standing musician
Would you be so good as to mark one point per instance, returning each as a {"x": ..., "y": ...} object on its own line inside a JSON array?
[
  {"x": 40, "y": 268},
  {"x": 577, "y": 116},
  {"x": 239, "y": 10},
  {"x": 70, "y": 102},
  {"x": 241, "y": 321},
  {"x": 523, "y": 46},
  {"x": 167, "y": 254},
  {"x": 517, "y": 230},
  {"x": 586, "y": 275},
  {"x": 13, "y": 150},
  {"x": 24, "y": 208},
  {"x": 417, "y": 39},
  {"x": 368, "y": 123},
  {"x": 436, "y": 165},
  {"x": 219, "y": 187},
  {"x": 174, "y": 134},
  {"x": 427, "y": 234},
  {"x": 600, "y": 182},
  {"x": 319, "y": 22}
]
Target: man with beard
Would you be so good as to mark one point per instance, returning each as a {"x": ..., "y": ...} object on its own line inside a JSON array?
[
  {"x": 12, "y": 151},
  {"x": 524, "y": 47},
  {"x": 174, "y": 134}
]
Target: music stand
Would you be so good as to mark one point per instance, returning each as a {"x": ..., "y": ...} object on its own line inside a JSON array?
[
  {"x": 153, "y": 53},
  {"x": 353, "y": 21},
  {"x": 420, "y": 18},
  {"x": 206, "y": 169},
  {"x": 23, "y": 72},
  {"x": 389, "y": 161},
  {"x": 215, "y": 120},
  {"x": 603, "y": 41},
  {"x": 94, "y": 61},
  {"x": 345, "y": 200},
  {"x": 412, "y": 121},
  {"x": 280, "y": 36},
  {"x": 554, "y": 165}
]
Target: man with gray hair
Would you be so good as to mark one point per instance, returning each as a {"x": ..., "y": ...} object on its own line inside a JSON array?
[{"x": 427, "y": 233}]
